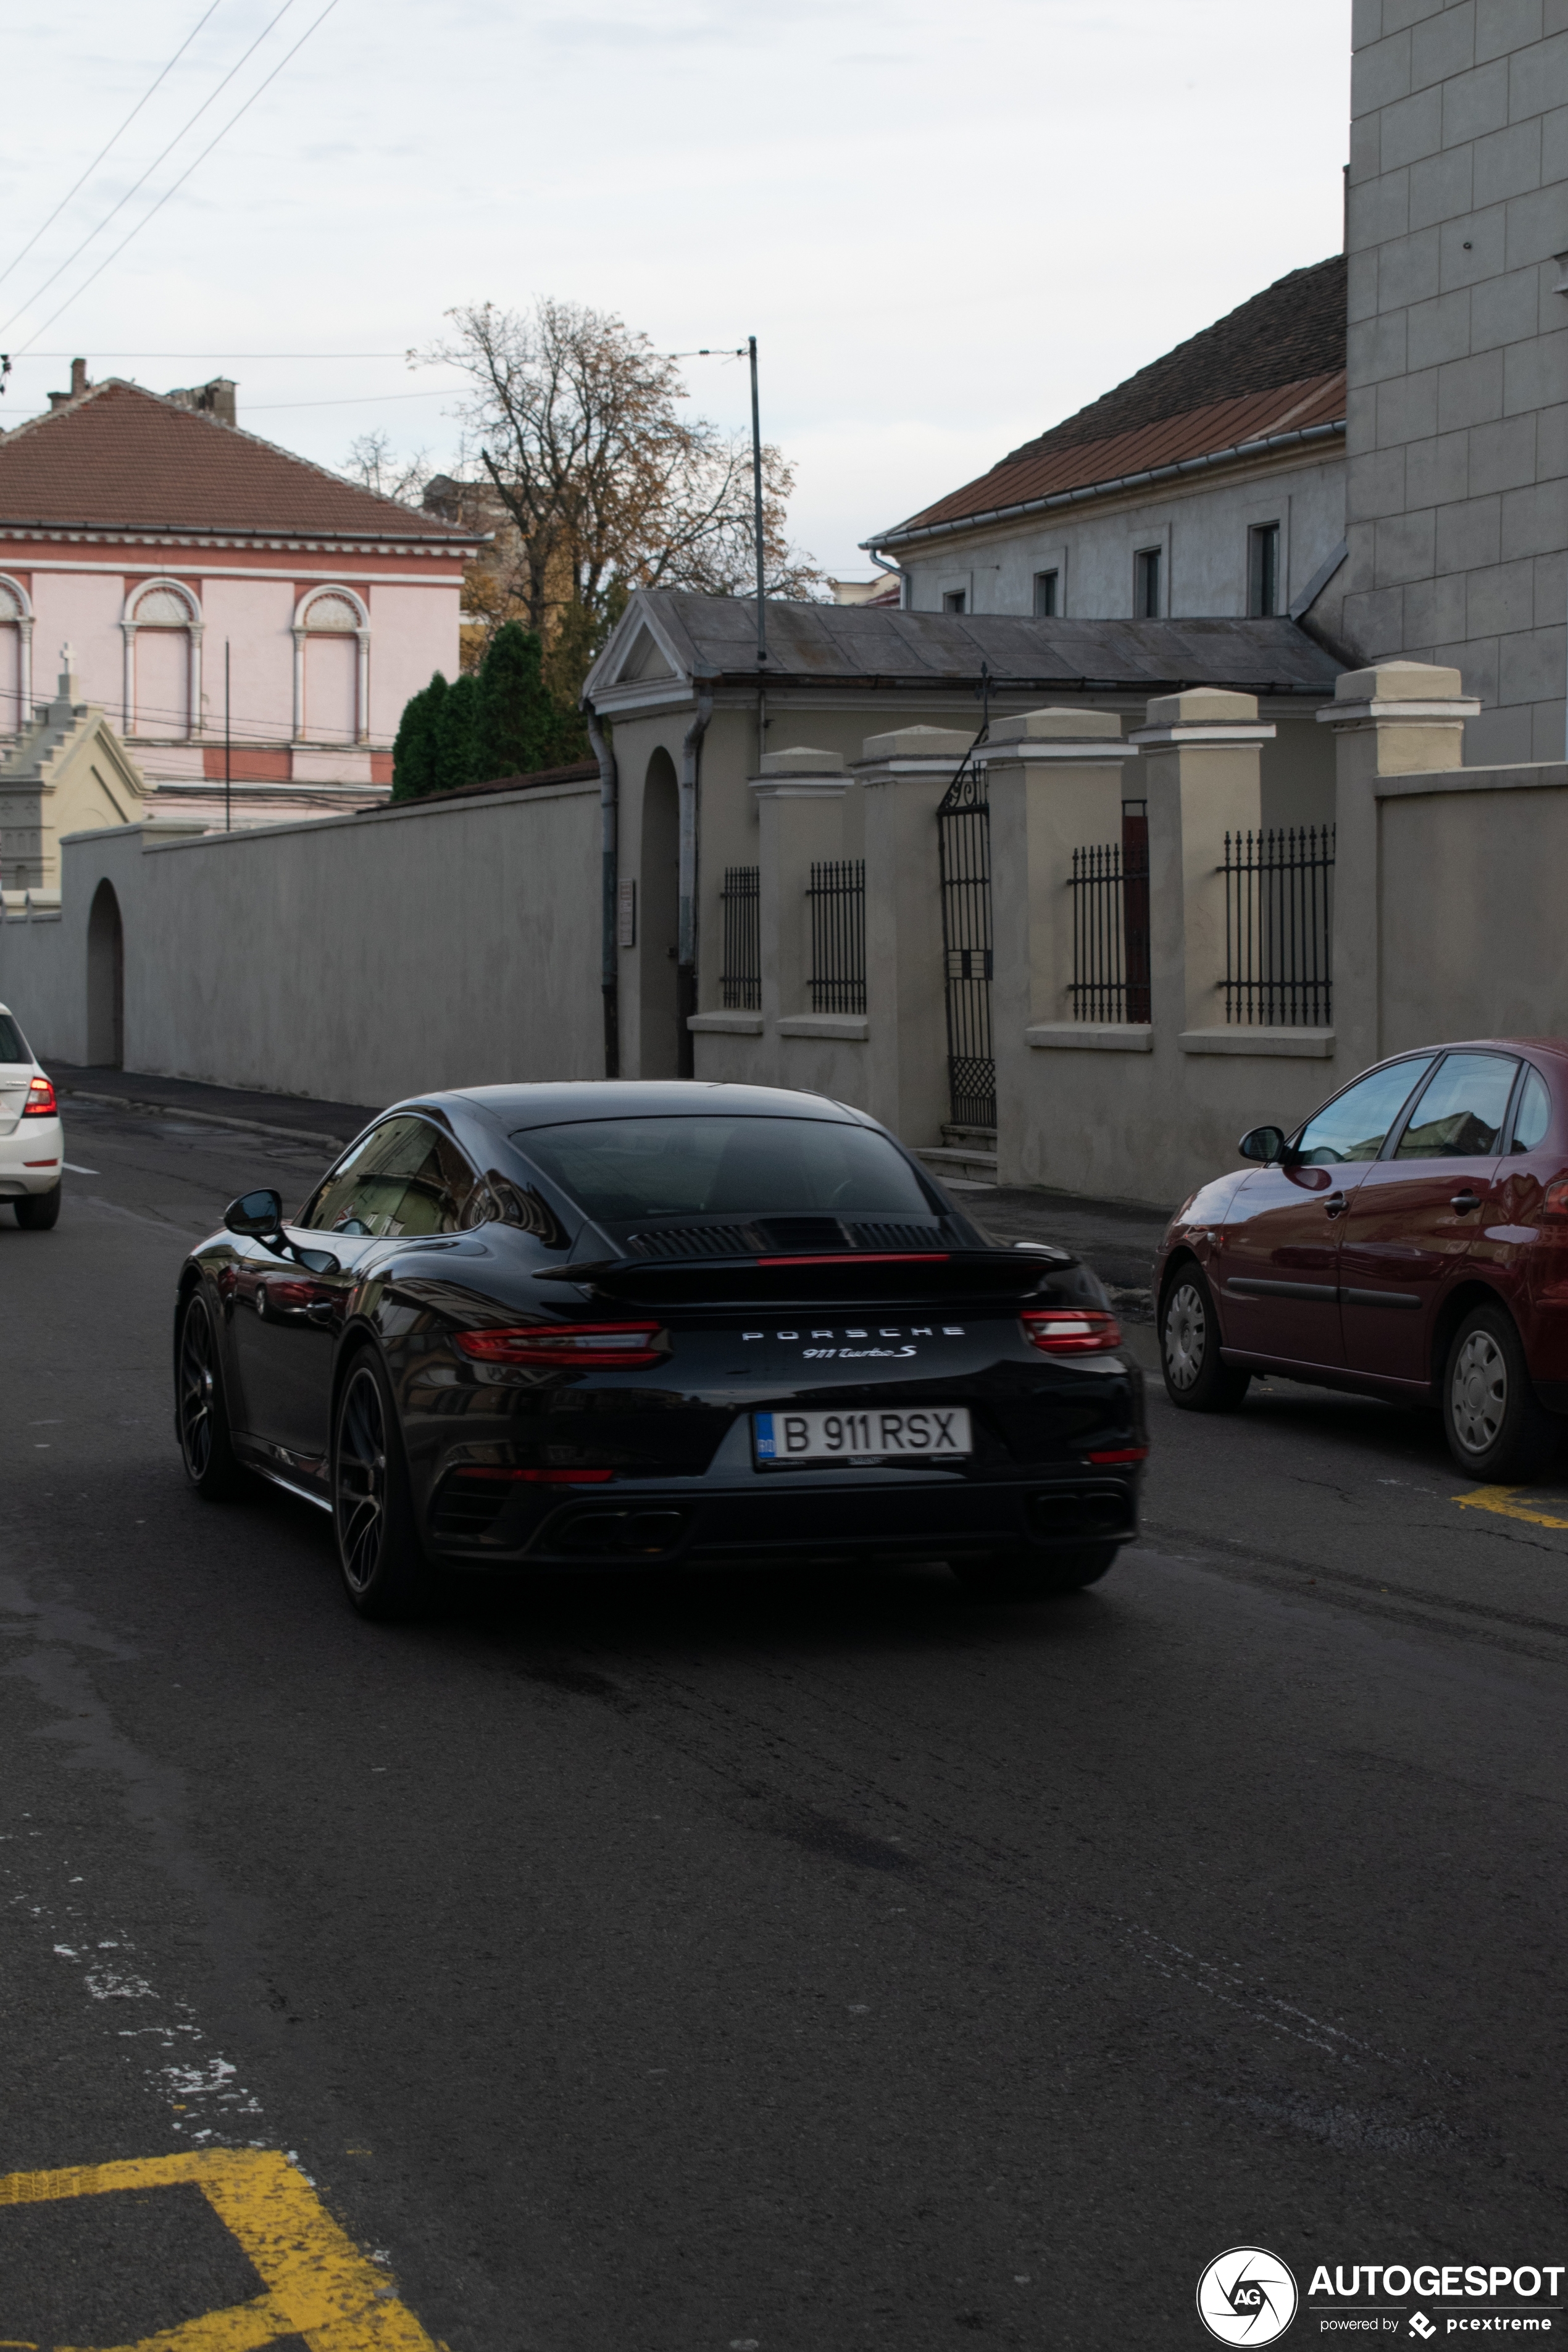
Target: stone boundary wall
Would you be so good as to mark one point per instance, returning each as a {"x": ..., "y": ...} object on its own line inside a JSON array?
[{"x": 357, "y": 959}]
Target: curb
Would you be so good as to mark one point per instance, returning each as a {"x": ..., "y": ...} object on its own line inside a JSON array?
[{"x": 210, "y": 1118}]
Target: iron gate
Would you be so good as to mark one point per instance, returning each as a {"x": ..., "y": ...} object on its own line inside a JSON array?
[{"x": 964, "y": 841}]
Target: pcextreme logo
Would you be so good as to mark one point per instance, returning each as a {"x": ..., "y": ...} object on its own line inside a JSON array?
[{"x": 1246, "y": 2296}]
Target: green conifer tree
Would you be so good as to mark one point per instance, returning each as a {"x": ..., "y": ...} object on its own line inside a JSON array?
[
  {"x": 519, "y": 727},
  {"x": 412, "y": 747},
  {"x": 456, "y": 737}
]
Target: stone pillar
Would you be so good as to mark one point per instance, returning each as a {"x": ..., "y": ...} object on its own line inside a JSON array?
[
  {"x": 800, "y": 818},
  {"x": 1202, "y": 760},
  {"x": 1055, "y": 785},
  {"x": 1395, "y": 719},
  {"x": 904, "y": 775}
]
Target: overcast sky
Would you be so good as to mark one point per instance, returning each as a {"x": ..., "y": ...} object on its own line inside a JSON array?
[{"x": 949, "y": 225}]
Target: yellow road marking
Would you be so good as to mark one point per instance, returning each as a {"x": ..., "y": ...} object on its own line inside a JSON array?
[
  {"x": 1501, "y": 1500},
  {"x": 319, "y": 2284}
]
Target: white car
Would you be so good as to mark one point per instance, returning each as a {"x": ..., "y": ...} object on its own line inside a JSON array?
[{"x": 32, "y": 1140}]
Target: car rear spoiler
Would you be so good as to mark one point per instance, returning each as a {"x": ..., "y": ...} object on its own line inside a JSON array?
[{"x": 793, "y": 1279}]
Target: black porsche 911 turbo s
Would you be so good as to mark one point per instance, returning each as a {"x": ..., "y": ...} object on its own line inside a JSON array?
[{"x": 580, "y": 1326}]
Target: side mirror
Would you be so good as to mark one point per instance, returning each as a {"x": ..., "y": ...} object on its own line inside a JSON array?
[
  {"x": 257, "y": 1216},
  {"x": 1264, "y": 1143}
]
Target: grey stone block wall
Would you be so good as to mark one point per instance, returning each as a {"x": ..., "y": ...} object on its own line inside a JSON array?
[{"x": 1457, "y": 433}]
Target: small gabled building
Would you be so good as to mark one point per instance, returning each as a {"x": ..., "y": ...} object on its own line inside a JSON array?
[
  {"x": 68, "y": 771},
  {"x": 1209, "y": 485},
  {"x": 151, "y": 533}
]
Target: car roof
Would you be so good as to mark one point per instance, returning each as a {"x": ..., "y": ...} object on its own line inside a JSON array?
[
  {"x": 1556, "y": 1046},
  {"x": 554, "y": 1104}
]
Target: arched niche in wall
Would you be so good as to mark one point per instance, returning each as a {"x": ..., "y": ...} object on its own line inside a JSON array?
[
  {"x": 162, "y": 626},
  {"x": 331, "y": 667},
  {"x": 105, "y": 981},
  {"x": 658, "y": 920},
  {"x": 16, "y": 655}
]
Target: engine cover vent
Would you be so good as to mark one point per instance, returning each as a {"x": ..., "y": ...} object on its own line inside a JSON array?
[
  {"x": 885, "y": 1234},
  {"x": 697, "y": 1241}
]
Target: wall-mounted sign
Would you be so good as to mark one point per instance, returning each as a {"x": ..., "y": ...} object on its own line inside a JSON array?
[{"x": 626, "y": 915}]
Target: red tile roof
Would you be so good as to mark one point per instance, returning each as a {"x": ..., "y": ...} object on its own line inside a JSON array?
[
  {"x": 121, "y": 458},
  {"x": 1277, "y": 364}
]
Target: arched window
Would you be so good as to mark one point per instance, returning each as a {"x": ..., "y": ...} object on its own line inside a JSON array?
[
  {"x": 331, "y": 667},
  {"x": 162, "y": 626},
  {"x": 16, "y": 655}
]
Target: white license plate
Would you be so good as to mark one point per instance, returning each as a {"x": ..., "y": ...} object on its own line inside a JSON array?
[{"x": 929, "y": 1432}]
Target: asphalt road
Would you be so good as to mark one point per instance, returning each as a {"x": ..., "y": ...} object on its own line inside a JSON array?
[{"x": 788, "y": 1963}]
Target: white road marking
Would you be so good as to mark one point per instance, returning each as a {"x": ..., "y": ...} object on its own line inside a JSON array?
[{"x": 72, "y": 1169}]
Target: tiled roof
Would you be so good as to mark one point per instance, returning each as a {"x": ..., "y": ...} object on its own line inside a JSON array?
[
  {"x": 121, "y": 458},
  {"x": 1275, "y": 365},
  {"x": 865, "y": 647}
]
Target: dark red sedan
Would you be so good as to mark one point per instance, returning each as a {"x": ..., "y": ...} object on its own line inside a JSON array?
[{"x": 1410, "y": 1241}]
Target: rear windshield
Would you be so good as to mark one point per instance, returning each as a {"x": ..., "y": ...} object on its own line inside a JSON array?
[
  {"x": 622, "y": 1168},
  {"x": 12, "y": 1048}
]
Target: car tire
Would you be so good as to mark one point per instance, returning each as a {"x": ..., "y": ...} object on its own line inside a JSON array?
[
  {"x": 201, "y": 1407},
  {"x": 1496, "y": 1426},
  {"x": 1022, "y": 1574},
  {"x": 380, "y": 1557},
  {"x": 38, "y": 1212},
  {"x": 1197, "y": 1378}
]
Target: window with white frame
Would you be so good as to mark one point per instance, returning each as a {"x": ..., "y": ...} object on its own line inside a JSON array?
[
  {"x": 16, "y": 656},
  {"x": 1263, "y": 570},
  {"x": 162, "y": 630},
  {"x": 1146, "y": 583},
  {"x": 332, "y": 660}
]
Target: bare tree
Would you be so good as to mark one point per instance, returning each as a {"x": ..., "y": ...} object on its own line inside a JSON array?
[
  {"x": 372, "y": 460},
  {"x": 577, "y": 424}
]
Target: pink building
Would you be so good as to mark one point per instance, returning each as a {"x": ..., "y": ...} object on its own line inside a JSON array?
[{"x": 148, "y": 535}]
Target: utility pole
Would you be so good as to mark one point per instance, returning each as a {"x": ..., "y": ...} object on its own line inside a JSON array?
[
  {"x": 757, "y": 504},
  {"x": 227, "y": 780},
  {"x": 716, "y": 352}
]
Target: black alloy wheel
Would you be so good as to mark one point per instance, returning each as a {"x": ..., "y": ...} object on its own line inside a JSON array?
[
  {"x": 201, "y": 1411},
  {"x": 38, "y": 1212},
  {"x": 1198, "y": 1378},
  {"x": 1020, "y": 1573},
  {"x": 384, "y": 1570},
  {"x": 1496, "y": 1426}
]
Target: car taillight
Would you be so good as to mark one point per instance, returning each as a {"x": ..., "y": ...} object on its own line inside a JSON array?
[
  {"x": 40, "y": 1102},
  {"x": 1119, "y": 1453},
  {"x": 1071, "y": 1330},
  {"x": 1556, "y": 1204},
  {"x": 569, "y": 1344}
]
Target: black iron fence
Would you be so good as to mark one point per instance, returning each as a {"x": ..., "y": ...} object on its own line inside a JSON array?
[
  {"x": 838, "y": 896},
  {"x": 1110, "y": 888},
  {"x": 1279, "y": 926},
  {"x": 741, "y": 979},
  {"x": 964, "y": 839}
]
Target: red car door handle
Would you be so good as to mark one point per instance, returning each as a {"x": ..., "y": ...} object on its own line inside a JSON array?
[
  {"x": 1335, "y": 1204},
  {"x": 1465, "y": 1201}
]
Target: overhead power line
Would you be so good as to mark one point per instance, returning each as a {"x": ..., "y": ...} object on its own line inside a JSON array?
[
  {"x": 35, "y": 354},
  {"x": 185, "y": 175},
  {"x": 146, "y": 175},
  {"x": 104, "y": 150}
]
